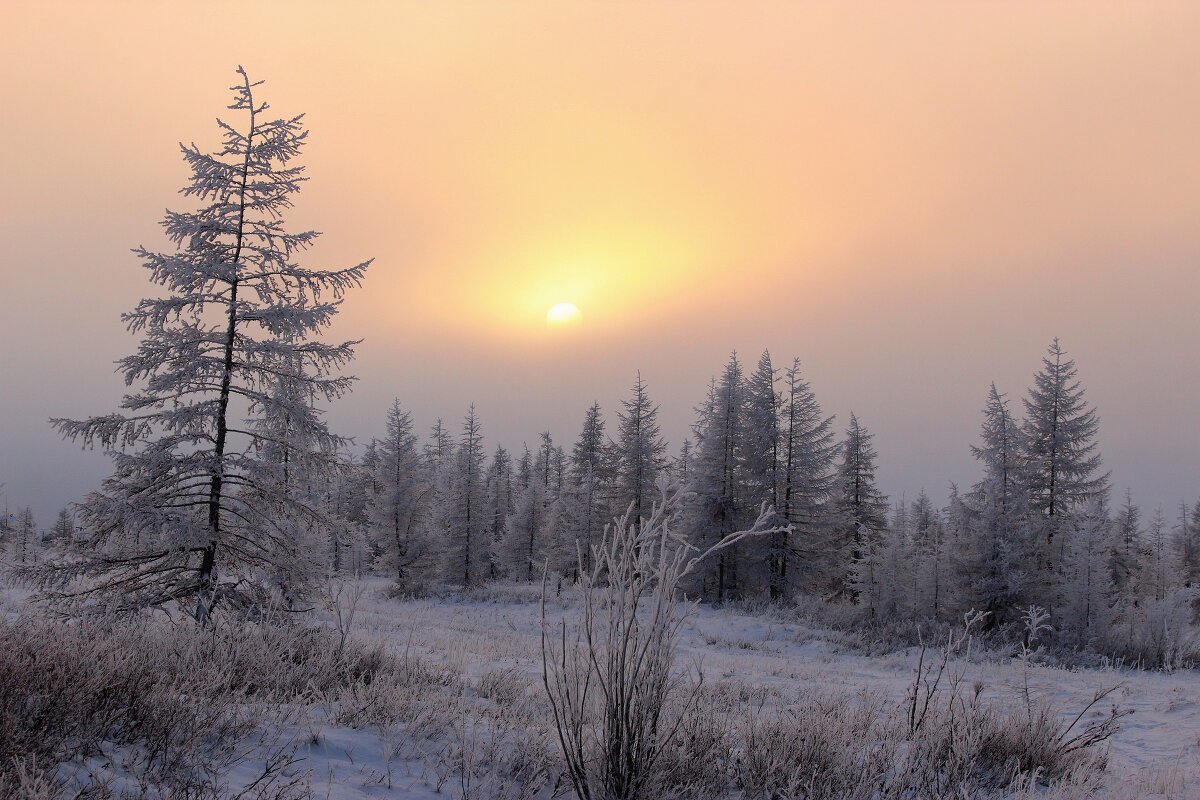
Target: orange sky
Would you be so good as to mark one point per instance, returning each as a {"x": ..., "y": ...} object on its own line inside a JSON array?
[{"x": 912, "y": 197}]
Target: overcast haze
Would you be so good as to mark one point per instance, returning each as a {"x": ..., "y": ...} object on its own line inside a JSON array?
[{"x": 912, "y": 201}]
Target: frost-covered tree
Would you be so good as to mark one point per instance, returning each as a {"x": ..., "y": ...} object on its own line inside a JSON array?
[
  {"x": 1160, "y": 572},
  {"x": 681, "y": 469},
  {"x": 62, "y": 534},
  {"x": 640, "y": 451},
  {"x": 809, "y": 449},
  {"x": 926, "y": 558},
  {"x": 500, "y": 505},
  {"x": 1087, "y": 586},
  {"x": 400, "y": 490},
  {"x": 26, "y": 543},
  {"x": 583, "y": 511},
  {"x": 1186, "y": 546},
  {"x": 862, "y": 508},
  {"x": 294, "y": 475},
  {"x": 767, "y": 557},
  {"x": 176, "y": 522},
  {"x": 525, "y": 549},
  {"x": 991, "y": 557},
  {"x": 464, "y": 516},
  {"x": 1061, "y": 464},
  {"x": 716, "y": 498},
  {"x": 1126, "y": 546},
  {"x": 889, "y": 572},
  {"x": 594, "y": 451}
]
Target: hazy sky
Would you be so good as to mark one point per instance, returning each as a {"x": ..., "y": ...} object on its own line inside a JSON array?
[{"x": 912, "y": 197}]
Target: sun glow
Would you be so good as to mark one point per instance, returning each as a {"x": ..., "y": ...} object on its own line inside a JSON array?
[{"x": 563, "y": 314}]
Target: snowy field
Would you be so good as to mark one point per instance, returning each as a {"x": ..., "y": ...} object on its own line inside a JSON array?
[
  {"x": 751, "y": 661},
  {"x": 467, "y": 715}
]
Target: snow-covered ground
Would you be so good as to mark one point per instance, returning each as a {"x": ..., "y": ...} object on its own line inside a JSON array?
[
  {"x": 474, "y": 715},
  {"x": 760, "y": 657}
]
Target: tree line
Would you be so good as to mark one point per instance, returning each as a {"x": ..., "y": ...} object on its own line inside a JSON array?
[{"x": 229, "y": 489}]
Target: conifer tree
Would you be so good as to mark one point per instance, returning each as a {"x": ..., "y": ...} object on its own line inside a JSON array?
[
  {"x": 862, "y": 508},
  {"x": 399, "y": 492},
  {"x": 584, "y": 512},
  {"x": 524, "y": 548},
  {"x": 716, "y": 502},
  {"x": 63, "y": 533},
  {"x": 1061, "y": 463},
  {"x": 465, "y": 531},
  {"x": 767, "y": 557},
  {"x": 682, "y": 467},
  {"x": 1160, "y": 572},
  {"x": 181, "y": 519},
  {"x": 500, "y": 505},
  {"x": 1087, "y": 585},
  {"x": 1187, "y": 547},
  {"x": 27, "y": 544},
  {"x": 926, "y": 558},
  {"x": 640, "y": 451},
  {"x": 991, "y": 559},
  {"x": 809, "y": 449},
  {"x": 1126, "y": 546}
]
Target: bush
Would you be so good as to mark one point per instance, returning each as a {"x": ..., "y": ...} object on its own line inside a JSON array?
[{"x": 163, "y": 707}]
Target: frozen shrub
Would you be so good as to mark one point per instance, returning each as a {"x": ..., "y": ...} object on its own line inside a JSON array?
[
  {"x": 617, "y": 698},
  {"x": 823, "y": 747}
]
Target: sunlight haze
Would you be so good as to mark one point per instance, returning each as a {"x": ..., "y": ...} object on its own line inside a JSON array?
[{"x": 913, "y": 202}]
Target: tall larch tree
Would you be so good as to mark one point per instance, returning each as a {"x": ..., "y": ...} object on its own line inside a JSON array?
[
  {"x": 1061, "y": 463},
  {"x": 1126, "y": 548},
  {"x": 399, "y": 494},
  {"x": 1185, "y": 544},
  {"x": 176, "y": 522},
  {"x": 767, "y": 557},
  {"x": 465, "y": 531},
  {"x": 991, "y": 560},
  {"x": 862, "y": 507},
  {"x": 524, "y": 549},
  {"x": 62, "y": 535},
  {"x": 500, "y": 505},
  {"x": 717, "y": 496},
  {"x": 640, "y": 452},
  {"x": 809, "y": 450},
  {"x": 585, "y": 511}
]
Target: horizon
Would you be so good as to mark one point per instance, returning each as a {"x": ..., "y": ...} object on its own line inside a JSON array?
[{"x": 914, "y": 211}]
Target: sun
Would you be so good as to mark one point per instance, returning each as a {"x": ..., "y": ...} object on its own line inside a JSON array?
[{"x": 563, "y": 314}]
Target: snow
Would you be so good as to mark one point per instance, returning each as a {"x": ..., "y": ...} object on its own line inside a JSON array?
[
  {"x": 755, "y": 654},
  {"x": 761, "y": 657}
]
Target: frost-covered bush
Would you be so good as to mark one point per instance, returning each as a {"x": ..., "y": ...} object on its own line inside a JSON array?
[
  {"x": 149, "y": 706},
  {"x": 617, "y": 697},
  {"x": 1159, "y": 633}
]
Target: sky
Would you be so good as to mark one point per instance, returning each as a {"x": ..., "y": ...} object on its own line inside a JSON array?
[{"x": 914, "y": 198}]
